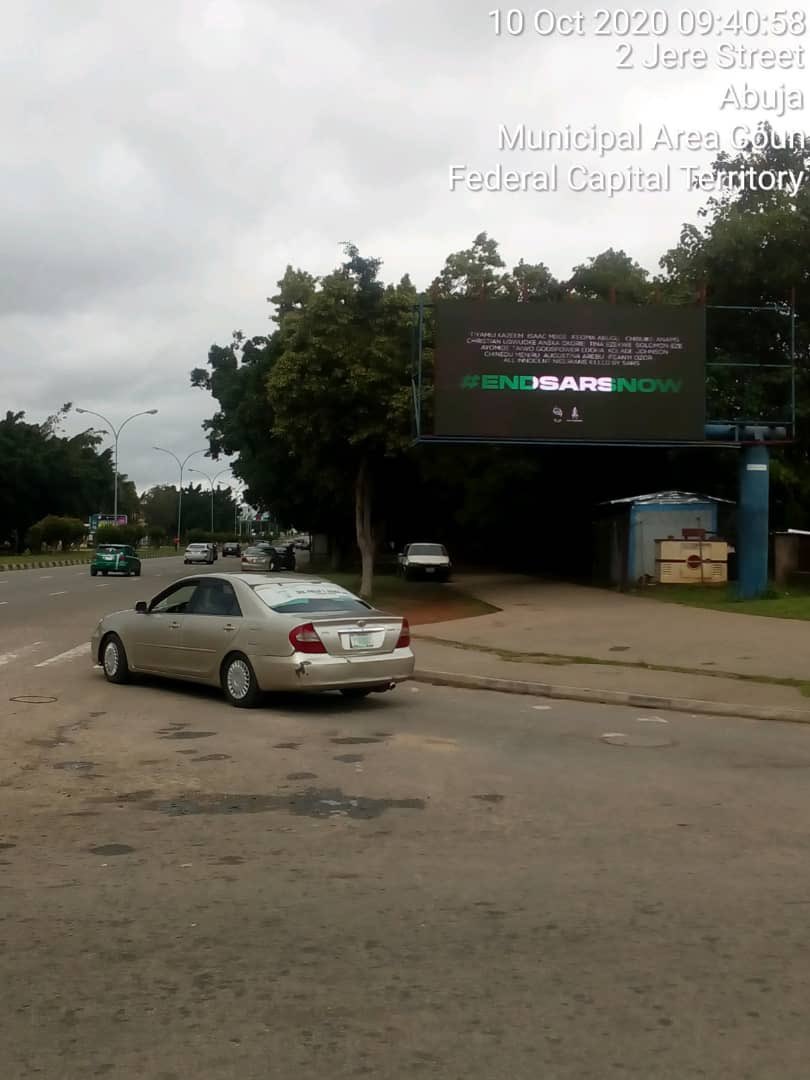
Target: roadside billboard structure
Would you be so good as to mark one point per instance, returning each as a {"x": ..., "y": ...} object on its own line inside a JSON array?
[
  {"x": 583, "y": 374},
  {"x": 570, "y": 372}
]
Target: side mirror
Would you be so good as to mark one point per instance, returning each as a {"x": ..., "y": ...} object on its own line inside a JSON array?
[{"x": 141, "y": 607}]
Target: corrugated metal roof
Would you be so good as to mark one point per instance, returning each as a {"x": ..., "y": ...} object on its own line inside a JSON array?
[{"x": 685, "y": 497}]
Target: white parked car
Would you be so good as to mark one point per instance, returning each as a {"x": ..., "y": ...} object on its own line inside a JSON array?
[
  {"x": 203, "y": 553},
  {"x": 425, "y": 561}
]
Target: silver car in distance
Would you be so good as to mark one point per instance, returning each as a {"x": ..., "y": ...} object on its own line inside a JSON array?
[{"x": 249, "y": 634}]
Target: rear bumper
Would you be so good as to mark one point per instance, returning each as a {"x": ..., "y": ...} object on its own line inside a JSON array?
[{"x": 317, "y": 673}]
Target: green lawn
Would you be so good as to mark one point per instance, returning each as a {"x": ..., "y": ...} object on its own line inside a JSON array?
[{"x": 790, "y": 603}]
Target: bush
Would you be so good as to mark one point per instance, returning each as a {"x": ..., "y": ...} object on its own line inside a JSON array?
[
  {"x": 33, "y": 540},
  {"x": 53, "y": 530},
  {"x": 119, "y": 534},
  {"x": 156, "y": 534}
]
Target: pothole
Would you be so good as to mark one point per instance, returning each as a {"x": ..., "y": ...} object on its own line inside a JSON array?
[
  {"x": 34, "y": 699},
  {"x": 111, "y": 849},
  {"x": 640, "y": 741},
  {"x": 310, "y": 803}
]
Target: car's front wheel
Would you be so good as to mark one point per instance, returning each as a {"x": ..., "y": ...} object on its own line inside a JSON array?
[
  {"x": 137, "y": 571},
  {"x": 114, "y": 659},
  {"x": 239, "y": 682},
  {"x": 93, "y": 571}
]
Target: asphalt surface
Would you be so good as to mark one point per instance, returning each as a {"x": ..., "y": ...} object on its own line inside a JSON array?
[{"x": 431, "y": 882}]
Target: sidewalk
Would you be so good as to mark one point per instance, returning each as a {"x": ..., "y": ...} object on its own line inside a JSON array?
[{"x": 575, "y": 642}]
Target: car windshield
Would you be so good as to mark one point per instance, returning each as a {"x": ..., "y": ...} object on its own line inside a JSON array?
[
  {"x": 426, "y": 549},
  {"x": 302, "y": 598}
]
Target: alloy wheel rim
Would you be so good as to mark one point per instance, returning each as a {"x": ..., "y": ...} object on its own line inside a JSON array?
[
  {"x": 111, "y": 658},
  {"x": 238, "y": 679}
]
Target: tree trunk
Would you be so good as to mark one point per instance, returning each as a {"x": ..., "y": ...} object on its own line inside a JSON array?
[{"x": 365, "y": 533}]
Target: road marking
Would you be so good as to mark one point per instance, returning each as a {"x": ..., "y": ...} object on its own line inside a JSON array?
[
  {"x": 2, "y": 602},
  {"x": 71, "y": 654},
  {"x": 651, "y": 720},
  {"x": 46, "y": 578},
  {"x": 6, "y": 658},
  {"x": 62, "y": 593},
  {"x": 102, "y": 584},
  {"x": 541, "y": 708}
]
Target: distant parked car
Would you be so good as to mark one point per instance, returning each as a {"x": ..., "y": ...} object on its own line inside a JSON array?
[
  {"x": 257, "y": 560},
  {"x": 283, "y": 556},
  {"x": 231, "y": 549},
  {"x": 425, "y": 561},
  {"x": 115, "y": 559},
  {"x": 203, "y": 553}
]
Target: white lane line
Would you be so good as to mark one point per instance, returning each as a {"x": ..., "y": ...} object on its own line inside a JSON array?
[
  {"x": 6, "y": 658},
  {"x": 46, "y": 578},
  {"x": 71, "y": 654},
  {"x": 102, "y": 584},
  {"x": 3, "y": 602},
  {"x": 64, "y": 592}
]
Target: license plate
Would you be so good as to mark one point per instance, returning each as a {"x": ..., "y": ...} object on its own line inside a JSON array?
[
  {"x": 361, "y": 641},
  {"x": 430, "y": 569}
]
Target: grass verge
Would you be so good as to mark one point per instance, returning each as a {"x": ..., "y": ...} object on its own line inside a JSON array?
[
  {"x": 790, "y": 603},
  {"x": 76, "y": 556},
  {"x": 560, "y": 660}
]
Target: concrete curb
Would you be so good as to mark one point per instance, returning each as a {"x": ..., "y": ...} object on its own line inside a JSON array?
[
  {"x": 613, "y": 697},
  {"x": 47, "y": 565}
]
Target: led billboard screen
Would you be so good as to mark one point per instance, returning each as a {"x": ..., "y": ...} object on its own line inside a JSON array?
[{"x": 568, "y": 371}]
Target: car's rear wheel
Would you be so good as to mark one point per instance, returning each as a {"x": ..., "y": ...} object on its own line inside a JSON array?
[
  {"x": 138, "y": 572},
  {"x": 104, "y": 573},
  {"x": 239, "y": 682},
  {"x": 114, "y": 659},
  {"x": 356, "y": 692}
]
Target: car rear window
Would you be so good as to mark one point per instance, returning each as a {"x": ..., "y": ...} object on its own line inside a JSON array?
[
  {"x": 318, "y": 596},
  {"x": 426, "y": 549},
  {"x": 108, "y": 549}
]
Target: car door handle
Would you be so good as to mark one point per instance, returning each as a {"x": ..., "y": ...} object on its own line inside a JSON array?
[
  {"x": 229, "y": 628},
  {"x": 174, "y": 626}
]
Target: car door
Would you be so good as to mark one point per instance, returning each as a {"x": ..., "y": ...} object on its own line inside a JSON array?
[
  {"x": 211, "y": 627},
  {"x": 157, "y": 637}
]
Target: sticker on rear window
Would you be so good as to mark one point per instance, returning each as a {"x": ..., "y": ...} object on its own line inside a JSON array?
[{"x": 283, "y": 593}]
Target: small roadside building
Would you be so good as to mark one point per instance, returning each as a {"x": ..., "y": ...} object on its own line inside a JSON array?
[{"x": 625, "y": 531}]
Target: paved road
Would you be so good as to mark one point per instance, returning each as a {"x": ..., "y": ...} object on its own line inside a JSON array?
[{"x": 429, "y": 883}]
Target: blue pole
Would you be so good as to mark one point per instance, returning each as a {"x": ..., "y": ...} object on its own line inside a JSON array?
[{"x": 752, "y": 523}]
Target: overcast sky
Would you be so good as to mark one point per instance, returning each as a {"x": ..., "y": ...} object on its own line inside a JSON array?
[{"x": 164, "y": 161}]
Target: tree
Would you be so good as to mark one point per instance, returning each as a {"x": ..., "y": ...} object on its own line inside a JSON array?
[
  {"x": 611, "y": 275},
  {"x": 47, "y": 473},
  {"x": 339, "y": 388}
]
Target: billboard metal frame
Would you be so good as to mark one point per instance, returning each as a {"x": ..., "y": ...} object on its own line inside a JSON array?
[{"x": 739, "y": 427}]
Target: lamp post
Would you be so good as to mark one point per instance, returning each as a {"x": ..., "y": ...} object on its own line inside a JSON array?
[
  {"x": 211, "y": 482},
  {"x": 181, "y": 465},
  {"x": 115, "y": 434}
]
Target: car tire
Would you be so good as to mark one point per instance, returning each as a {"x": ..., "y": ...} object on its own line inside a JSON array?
[
  {"x": 138, "y": 572},
  {"x": 104, "y": 573},
  {"x": 355, "y": 693},
  {"x": 239, "y": 684},
  {"x": 93, "y": 571},
  {"x": 113, "y": 658},
  {"x": 185, "y": 562}
]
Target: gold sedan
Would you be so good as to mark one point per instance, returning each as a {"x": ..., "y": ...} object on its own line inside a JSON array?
[{"x": 250, "y": 633}]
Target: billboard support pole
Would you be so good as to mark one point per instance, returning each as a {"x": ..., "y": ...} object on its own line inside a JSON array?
[{"x": 752, "y": 524}]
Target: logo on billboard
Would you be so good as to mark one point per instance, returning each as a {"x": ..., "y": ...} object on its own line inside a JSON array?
[{"x": 569, "y": 383}]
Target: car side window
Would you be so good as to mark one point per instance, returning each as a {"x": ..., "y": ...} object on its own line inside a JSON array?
[
  {"x": 215, "y": 597},
  {"x": 174, "y": 601}
]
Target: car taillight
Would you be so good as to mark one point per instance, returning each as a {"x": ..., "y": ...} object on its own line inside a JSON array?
[
  {"x": 305, "y": 639},
  {"x": 404, "y": 635}
]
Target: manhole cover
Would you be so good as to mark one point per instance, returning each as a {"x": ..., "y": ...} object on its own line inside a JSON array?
[{"x": 33, "y": 699}]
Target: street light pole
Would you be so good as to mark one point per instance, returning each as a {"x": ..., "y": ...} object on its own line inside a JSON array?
[
  {"x": 181, "y": 465},
  {"x": 211, "y": 482},
  {"x": 115, "y": 434}
]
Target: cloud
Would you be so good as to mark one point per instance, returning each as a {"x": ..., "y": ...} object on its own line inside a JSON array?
[{"x": 163, "y": 162}]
